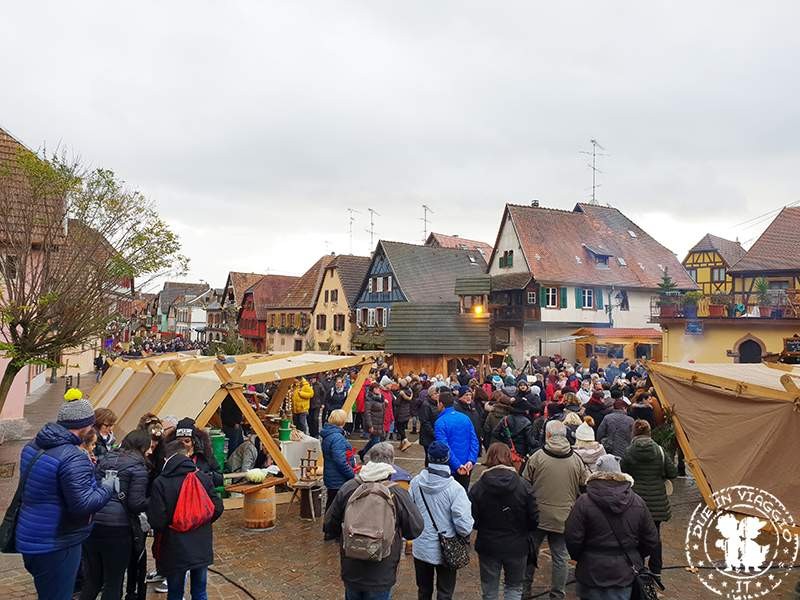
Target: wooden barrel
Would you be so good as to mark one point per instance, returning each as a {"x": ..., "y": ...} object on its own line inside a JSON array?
[{"x": 259, "y": 509}]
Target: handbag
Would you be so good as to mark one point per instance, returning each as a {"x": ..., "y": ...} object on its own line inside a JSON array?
[
  {"x": 455, "y": 550},
  {"x": 516, "y": 458},
  {"x": 668, "y": 487},
  {"x": 645, "y": 583},
  {"x": 8, "y": 529}
]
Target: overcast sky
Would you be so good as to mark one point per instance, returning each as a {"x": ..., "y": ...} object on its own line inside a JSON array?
[{"x": 255, "y": 125}]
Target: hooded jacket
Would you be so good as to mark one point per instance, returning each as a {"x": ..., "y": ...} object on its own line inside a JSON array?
[
  {"x": 616, "y": 432},
  {"x": 649, "y": 467},
  {"x": 337, "y": 453},
  {"x": 374, "y": 412},
  {"x": 455, "y": 430},
  {"x": 519, "y": 426},
  {"x": 61, "y": 493},
  {"x": 496, "y": 412},
  {"x": 427, "y": 414},
  {"x": 591, "y": 541},
  {"x": 505, "y": 513},
  {"x": 301, "y": 399},
  {"x": 450, "y": 506},
  {"x": 402, "y": 404},
  {"x": 133, "y": 481},
  {"x": 556, "y": 474},
  {"x": 177, "y": 551},
  {"x": 590, "y": 454}
]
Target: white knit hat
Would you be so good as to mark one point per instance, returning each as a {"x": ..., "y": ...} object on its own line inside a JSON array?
[{"x": 584, "y": 433}]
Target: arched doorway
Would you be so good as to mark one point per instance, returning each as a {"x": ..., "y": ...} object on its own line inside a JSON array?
[{"x": 749, "y": 352}]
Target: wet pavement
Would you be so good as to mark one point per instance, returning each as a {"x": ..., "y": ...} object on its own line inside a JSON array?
[{"x": 292, "y": 561}]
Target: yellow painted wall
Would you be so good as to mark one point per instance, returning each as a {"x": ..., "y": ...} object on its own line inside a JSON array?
[
  {"x": 703, "y": 263},
  {"x": 720, "y": 336},
  {"x": 332, "y": 282},
  {"x": 744, "y": 285}
]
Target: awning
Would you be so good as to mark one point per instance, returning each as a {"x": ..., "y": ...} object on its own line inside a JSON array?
[{"x": 566, "y": 338}]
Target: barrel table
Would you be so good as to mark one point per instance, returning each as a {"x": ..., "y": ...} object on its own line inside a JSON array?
[{"x": 259, "y": 502}]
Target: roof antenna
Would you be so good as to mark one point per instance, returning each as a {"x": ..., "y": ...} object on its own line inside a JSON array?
[
  {"x": 425, "y": 210},
  {"x": 593, "y": 165},
  {"x": 372, "y": 214},
  {"x": 352, "y": 219}
]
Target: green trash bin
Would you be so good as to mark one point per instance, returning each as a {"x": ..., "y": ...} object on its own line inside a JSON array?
[
  {"x": 218, "y": 445},
  {"x": 285, "y": 431}
]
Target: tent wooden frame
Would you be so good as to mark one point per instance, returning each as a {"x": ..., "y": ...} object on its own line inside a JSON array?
[
  {"x": 694, "y": 375},
  {"x": 201, "y": 375}
]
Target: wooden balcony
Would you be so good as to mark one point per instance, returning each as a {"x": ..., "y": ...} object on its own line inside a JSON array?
[{"x": 514, "y": 315}]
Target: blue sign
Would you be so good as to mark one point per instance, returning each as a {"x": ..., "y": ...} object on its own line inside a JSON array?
[{"x": 694, "y": 328}]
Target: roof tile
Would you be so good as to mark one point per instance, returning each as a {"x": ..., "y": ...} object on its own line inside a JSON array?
[
  {"x": 777, "y": 248},
  {"x": 730, "y": 251}
]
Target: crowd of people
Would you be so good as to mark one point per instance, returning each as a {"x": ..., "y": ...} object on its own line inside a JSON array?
[{"x": 565, "y": 451}]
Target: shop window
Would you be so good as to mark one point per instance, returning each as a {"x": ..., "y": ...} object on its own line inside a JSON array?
[{"x": 616, "y": 351}]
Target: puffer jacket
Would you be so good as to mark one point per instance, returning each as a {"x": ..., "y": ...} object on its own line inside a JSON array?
[
  {"x": 337, "y": 454},
  {"x": 133, "y": 481},
  {"x": 427, "y": 414},
  {"x": 519, "y": 426},
  {"x": 474, "y": 413},
  {"x": 496, "y": 412},
  {"x": 591, "y": 541},
  {"x": 455, "y": 430},
  {"x": 374, "y": 411},
  {"x": 450, "y": 506},
  {"x": 649, "y": 467},
  {"x": 336, "y": 398},
  {"x": 616, "y": 432},
  {"x": 61, "y": 493},
  {"x": 301, "y": 399},
  {"x": 402, "y": 404}
]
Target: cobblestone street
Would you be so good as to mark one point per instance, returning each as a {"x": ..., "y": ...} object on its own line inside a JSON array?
[{"x": 292, "y": 561}]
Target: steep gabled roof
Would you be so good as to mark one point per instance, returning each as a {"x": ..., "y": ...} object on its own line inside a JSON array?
[
  {"x": 557, "y": 247},
  {"x": 303, "y": 294},
  {"x": 437, "y": 329},
  {"x": 777, "y": 248},
  {"x": 352, "y": 272},
  {"x": 454, "y": 241},
  {"x": 173, "y": 289},
  {"x": 269, "y": 291},
  {"x": 728, "y": 250},
  {"x": 238, "y": 283},
  {"x": 428, "y": 275}
]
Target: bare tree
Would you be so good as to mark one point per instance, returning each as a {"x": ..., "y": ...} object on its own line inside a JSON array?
[{"x": 72, "y": 241}]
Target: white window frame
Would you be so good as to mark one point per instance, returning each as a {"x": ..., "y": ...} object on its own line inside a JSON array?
[
  {"x": 370, "y": 285},
  {"x": 551, "y": 293},
  {"x": 388, "y": 283},
  {"x": 370, "y": 317},
  {"x": 386, "y": 317},
  {"x": 718, "y": 274},
  {"x": 587, "y": 297},
  {"x": 532, "y": 298},
  {"x": 379, "y": 284}
]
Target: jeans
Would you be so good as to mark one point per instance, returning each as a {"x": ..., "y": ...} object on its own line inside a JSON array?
[
  {"x": 301, "y": 422},
  {"x": 445, "y": 580},
  {"x": 559, "y": 557},
  {"x": 373, "y": 439},
  {"x": 198, "y": 578},
  {"x": 135, "y": 587},
  {"x": 513, "y": 576},
  {"x": 54, "y": 572},
  {"x": 610, "y": 593},
  {"x": 105, "y": 558},
  {"x": 313, "y": 422},
  {"x": 655, "y": 562},
  {"x": 351, "y": 594},
  {"x": 401, "y": 429}
]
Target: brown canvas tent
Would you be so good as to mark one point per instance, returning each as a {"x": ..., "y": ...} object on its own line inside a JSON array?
[
  {"x": 196, "y": 386},
  {"x": 738, "y": 424}
]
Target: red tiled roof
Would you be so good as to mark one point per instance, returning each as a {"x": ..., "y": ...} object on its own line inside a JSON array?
[
  {"x": 269, "y": 291},
  {"x": 728, "y": 250},
  {"x": 555, "y": 242},
  {"x": 454, "y": 241},
  {"x": 303, "y": 293},
  {"x": 240, "y": 283},
  {"x": 620, "y": 332},
  {"x": 777, "y": 248}
]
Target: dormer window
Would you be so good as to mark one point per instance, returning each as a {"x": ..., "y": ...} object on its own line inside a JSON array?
[{"x": 599, "y": 255}]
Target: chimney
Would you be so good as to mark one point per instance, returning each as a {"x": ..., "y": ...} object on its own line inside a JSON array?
[{"x": 535, "y": 203}]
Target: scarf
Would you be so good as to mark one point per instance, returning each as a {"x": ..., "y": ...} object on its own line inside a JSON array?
[{"x": 375, "y": 471}]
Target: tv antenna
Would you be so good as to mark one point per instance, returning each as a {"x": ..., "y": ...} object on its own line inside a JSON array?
[
  {"x": 425, "y": 210},
  {"x": 351, "y": 220},
  {"x": 593, "y": 165},
  {"x": 371, "y": 231}
]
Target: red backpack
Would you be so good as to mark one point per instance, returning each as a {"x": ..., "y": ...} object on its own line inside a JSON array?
[{"x": 194, "y": 507}]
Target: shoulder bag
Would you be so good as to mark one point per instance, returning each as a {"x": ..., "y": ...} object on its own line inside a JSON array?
[
  {"x": 668, "y": 487},
  {"x": 645, "y": 583},
  {"x": 455, "y": 550},
  {"x": 8, "y": 529}
]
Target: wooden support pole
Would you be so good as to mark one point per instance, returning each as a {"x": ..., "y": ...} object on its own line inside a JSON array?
[
  {"x": 277, "y": 398},
  {"x": 356, "y": 386},
  {"x": 211, "y": 407}
]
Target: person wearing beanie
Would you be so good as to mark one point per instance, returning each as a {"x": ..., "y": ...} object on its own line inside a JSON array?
[
  {"x": 440, "y": 500},
  {"x": 596, "y": 408},
  {"x": 586, "y": 447},
  {"x": 497, "y": 409},
  {"x": 198, "y": 449},
  {"x": 466, "y": 405},
  {"x": 61, "y": 496},
  {"x": 650, "y": 467},
  {"x": 616, "y": 430},
  {"x": 642, "y": 408},
  {"x": 456, "y": 430},
  {"x": 601, "y": 573}
]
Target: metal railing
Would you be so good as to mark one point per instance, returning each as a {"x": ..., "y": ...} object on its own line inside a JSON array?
[{"x": 776, "y": 304}]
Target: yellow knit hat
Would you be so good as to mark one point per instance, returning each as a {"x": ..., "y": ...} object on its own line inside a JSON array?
[{"x": 73, "y": 394}]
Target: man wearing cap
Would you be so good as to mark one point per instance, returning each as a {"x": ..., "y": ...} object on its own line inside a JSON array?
[{"x": 60, "y": 496}]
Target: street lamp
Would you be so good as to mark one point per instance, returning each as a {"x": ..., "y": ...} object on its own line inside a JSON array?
[{"x": 478, "y": 309}]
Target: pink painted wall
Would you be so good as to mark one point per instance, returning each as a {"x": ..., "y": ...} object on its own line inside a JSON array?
[{"x": 15, "y": 403}]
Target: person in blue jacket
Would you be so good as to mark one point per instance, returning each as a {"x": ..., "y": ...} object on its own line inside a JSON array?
[
  {"x": 60, "y": 496},
  {"x": 455, "y": 429},
  {"x": 337, "y": 454}
]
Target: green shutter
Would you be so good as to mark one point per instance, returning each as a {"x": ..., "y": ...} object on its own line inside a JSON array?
[
  {"x": 510, "y": 259},
  {"x": 598, "y": 298},
  {"x": 542, "y": 296},
  {"x": 578, "y": 297},
  {"x": 563, "y": 302}
]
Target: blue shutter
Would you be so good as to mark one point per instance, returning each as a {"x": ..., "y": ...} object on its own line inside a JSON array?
[
  {"x": 563, "y": 299},
  {"x": 598, "y": 298},
  {"x": 578, "y": 297}
]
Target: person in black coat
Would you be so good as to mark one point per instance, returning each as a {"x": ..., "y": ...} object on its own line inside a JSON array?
[
  {"x": 518, "y": 425},
  {"x": 505, "y": 513},
  {"x": 596, "y": 408},
  {"x": 602, "y": 569},
  {"x": 428, "y": 413},
  {"x": 198, "y": 449},
  {"x": 117, "y": 534},
  {"x": 316, "y": 406},
  {"x": 526, "y": 396},
  {"x": 177, "y": 553},
  {"x": 465, "y": 404}
]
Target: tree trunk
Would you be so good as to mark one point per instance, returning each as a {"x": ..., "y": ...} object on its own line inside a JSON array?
[{"x": 5, "y": 383}]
